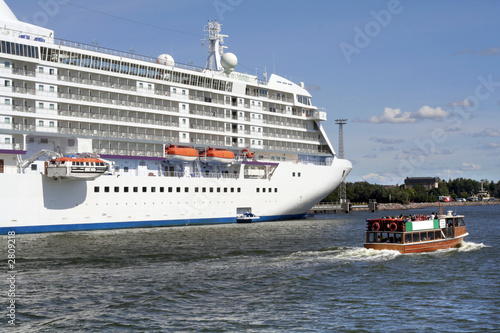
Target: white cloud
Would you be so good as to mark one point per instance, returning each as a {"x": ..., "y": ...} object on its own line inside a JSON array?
[
  {"x": 492, "y": 145},
  {"x": 374, "y": 177},
  {"x": 426, "y": 112},
  {"x": 387, "y": 141},
  {"x": 494, "y": 132},
  {"x": 392, "y": 116},
  {"x": 397, "y": 116},
  {"x": 470, "y": 166},
  {"x": 464, "y": 103}
]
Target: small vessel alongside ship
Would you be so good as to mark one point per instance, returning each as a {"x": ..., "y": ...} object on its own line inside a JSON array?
[{"x": 416, "y": 233}]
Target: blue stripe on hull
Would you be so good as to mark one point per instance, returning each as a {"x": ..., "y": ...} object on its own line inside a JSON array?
[{"x": 137, "y": 224}]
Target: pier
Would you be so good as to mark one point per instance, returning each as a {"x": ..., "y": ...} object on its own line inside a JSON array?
[{"x": 346, "y": 207}]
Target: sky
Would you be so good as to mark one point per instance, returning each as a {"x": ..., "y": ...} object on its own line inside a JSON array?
[{"x": 418, "y": 81}]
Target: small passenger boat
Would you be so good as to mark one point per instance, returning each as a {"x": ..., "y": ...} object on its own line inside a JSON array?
[
  {"x": 174, "y": 153},
  {"x": 217, "y": 156},
  {"x": 246, "y": 217},
  {"x": 416, "y": 233},
  {"x": 75, "y": 168}
]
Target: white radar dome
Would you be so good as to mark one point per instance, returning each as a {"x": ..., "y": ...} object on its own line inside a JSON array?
[
  {"x": 165, "y": 59},
  {"x": 229, "y": 61}
]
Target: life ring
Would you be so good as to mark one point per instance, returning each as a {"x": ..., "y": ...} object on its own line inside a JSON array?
[
  {"x": 393, "y": 226},
  {"x": 376, "y": 226}
]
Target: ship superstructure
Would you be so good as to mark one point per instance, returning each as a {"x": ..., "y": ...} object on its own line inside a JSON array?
[{"x": 136, "y": 116}]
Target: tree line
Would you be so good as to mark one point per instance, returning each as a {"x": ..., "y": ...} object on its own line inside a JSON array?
[{"x": 456, "y": 188}]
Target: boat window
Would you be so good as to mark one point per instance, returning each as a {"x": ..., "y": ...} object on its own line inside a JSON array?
[
  {"x": 423, "y": 236},
  {"x": 218, "y": 189},
  {"x": 211, "y": 190},
  {"x": 397, "y": 238},
  {"x": 144, "y": 189},
  {"x": 239, "y": 189},
  {"x": 257, "y": 189},
  {"x": 125, "y": 189},
  {"x": 106, "y": 189},
  {"x": 162, "y": 189},
  {"x": 438, "y": 234},
  {"x": 203, "y": 189},
  {"x": 117, "y": 189},
  {"x": 276, "y": 190},
  {"x": 431, "y": 235},
  {"x": 408, "y": 238},
  {"x": 170, "y": 189},
  {"x": 96, "y": 189},
  {"x": 178, "y": 189},
  {"x": 153, "y": 189},
  {"x": 186, "y": 189},
  {"x": 136, "y": 189},
  {"x": 416, "y": 237},
  {"x": 225, "y": 189},
  {"x": 371, "y": 237}
]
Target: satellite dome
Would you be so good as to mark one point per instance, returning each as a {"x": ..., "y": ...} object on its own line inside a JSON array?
[
  {"x": 165, "y": 59},
  {"x": 229, "y": 61}
]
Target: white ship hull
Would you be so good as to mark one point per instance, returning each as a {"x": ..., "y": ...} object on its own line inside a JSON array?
[{"x": 36, "y": 203}]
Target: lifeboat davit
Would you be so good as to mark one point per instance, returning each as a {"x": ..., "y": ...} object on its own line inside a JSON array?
[
  {"x": 181, "y": 154},
  {"x": 246, "y": 153},
  {"x": 217, "y": 156},
  {"x": 75, "y": 168}
]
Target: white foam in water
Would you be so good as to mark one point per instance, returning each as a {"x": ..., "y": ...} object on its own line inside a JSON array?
[
  {"x": 470, "y": 246},
  {"x": 349, "y": 254}
]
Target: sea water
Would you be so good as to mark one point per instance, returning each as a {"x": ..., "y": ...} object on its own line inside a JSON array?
[{"x": 308, "y": 275}]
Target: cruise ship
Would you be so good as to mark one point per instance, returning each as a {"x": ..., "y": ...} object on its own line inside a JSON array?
[{"x": 93, "y": 138}]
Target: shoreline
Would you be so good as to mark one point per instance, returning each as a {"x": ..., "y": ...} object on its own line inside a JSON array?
[{"x": 419, "y": 205}]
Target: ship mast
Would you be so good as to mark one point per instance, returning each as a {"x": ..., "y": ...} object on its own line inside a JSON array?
[{"x": 215, "y": 48}]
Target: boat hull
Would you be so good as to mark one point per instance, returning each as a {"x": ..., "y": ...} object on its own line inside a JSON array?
[
  {"x": 428, "y": 246},
  {"x": 67, "y": 206}
]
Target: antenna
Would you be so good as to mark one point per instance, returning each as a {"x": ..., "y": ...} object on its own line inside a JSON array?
[{"x": 342, "y": 189}]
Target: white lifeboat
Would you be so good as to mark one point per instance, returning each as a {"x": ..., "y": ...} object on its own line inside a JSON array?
[{"x": 75, "y": 168}]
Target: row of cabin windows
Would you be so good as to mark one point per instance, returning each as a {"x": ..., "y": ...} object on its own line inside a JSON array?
[
  {"x": 270, "y": 190},
  {"x": 41, "y": 70},
  {"x": 413, "y": 237},
  {"x": 161, "y": 189}
]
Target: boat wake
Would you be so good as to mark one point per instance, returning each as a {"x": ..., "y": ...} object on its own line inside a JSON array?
[
  {"x": 346, "y": 254},
  {"x": 470, "y": 246}
]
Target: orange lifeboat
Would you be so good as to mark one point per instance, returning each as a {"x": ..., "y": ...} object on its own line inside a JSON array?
[
  {"x": 246, "y": 153},
  {"x": 175, "y": 153},
  {"x": 217, "y": 156}
]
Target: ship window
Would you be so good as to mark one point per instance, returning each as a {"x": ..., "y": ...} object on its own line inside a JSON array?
[
  {"x": 51, "y": 71},
  {"x": 203, "y": 189},
  {"x": 162, "y": 189},
  {"x": 141, "y": 85},
  {"x": 186, "y": 189},
  {"x": 40, "y": 87},
  {"x": 258, "y": 190},
  {"x": 125, "y": 189},
  {"x": 170, "y": 189},
  {"x": 144, "y": 189},
  {"x": 136, "y": 189},
  {"x": 40, "y": 70},
  {"x": 125, "y": 169},
  {"x": 264, "y": 190},
  {"x": 117, "y": 189},
  {"x": 218, "y": 189},
  {"x": 52, "y": 89},
  {"x": 40, "y": 105},
  {"x": 196, "y": 189},
  {"x": 408, "y": 238},
  {"x": 7, "y": 120},
  {"x": 225, "y": 189},
  {"x": 106, "y": 189},
  {"x": 239, "y": 189},
  {"x": 33, "y": 167},
  {"x": 178, "y": 189},
  {"x": 298, "y": 174},
  {"x": 153, "y": 189},
  {"x": 96, "y": 189},
  {"x": 7, "y": 83},
  {"x": 276, "y": 190},
  {"x": 7, "y": 101},
  {"x": 293, "y": 174}
]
